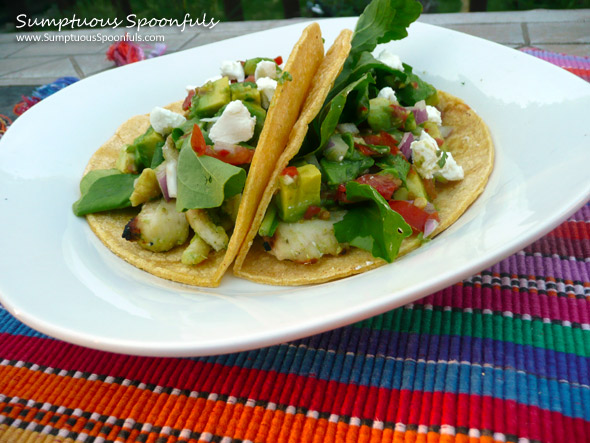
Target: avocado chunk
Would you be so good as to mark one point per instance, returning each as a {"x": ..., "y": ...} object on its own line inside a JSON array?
[
  {"x": 297, "y": 193},
  {"x": 260, "y": 114},
  {"x": 385, "y": 116},
  {"x": 245, "y": 92},
  {"x": 210, "y": 98},
  {"x": 138, "y": 155},
  {"x": 250, "y": 65},
  {"x": 269, "y": 223},
  {"x": 415, "y": 186}
]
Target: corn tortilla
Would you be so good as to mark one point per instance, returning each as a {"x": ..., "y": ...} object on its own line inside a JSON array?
[
  {"x": 469, "y": 142},
  {"x": 282, "y": 114}
]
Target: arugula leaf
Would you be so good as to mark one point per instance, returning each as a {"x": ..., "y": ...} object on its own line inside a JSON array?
[
  {"x": 396, "y": 164},
  {"x": 383, "y": 21},
  {"x": 346, "y": 170},
  {"x": 94, "y": 175},
  {"x": 158, "y": 157},
  {"x": 330, "y": 114},
  {"x": 103, "y": 190},
  {"x": 205, "y": 182},
  {"x": 372, "y": 226},
  {"x": 413, "y": 89}
]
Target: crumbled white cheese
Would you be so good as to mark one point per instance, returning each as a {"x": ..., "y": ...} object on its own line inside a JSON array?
[
  {"x": 391, "y": 60},
  {"x": 267, "y": 87},
  {"x": 265, "y": 68},
  {"x": 233, "y": 70},
  {"x": 426, "y": 154},
  {"x": 163, "y": 120},
  {"x": 234, "y": 125},
  {"x": 388, "y": 93},
  {"x": 433, "y": 115}
]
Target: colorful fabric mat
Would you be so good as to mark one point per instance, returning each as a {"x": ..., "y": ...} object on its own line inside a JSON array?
[{"x": 501, "y": 356}]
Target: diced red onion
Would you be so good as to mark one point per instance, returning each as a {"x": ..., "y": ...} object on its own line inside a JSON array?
[
  {"x": 421, "y": 115},
  {"x": 404, "y": 144},
  {"x": 171, "y": 178},
  {"x": 161, "y": 176},
  {"x": 445, "y": 131},
  {"x": 430, "y": 226},
  {"x": 429, "y": 208},
  {"x": 347, "y": 127}
]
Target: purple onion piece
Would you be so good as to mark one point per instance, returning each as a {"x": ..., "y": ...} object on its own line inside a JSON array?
[
  {"x": 405, "y": 143},
  {"x": 430, "y": 226},
  {"x": 161, "y": 176},
  {"x": 430, "y": 208},
  {"x": 421, "y": 115}
]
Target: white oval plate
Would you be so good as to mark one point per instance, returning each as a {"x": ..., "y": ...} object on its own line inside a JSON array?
[{"x": 56, "y": 277}]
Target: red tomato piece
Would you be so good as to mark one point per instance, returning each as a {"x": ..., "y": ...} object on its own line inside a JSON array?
[
  {"x": 279, "y": 60},
  {"x": 291, "y": 171},
  {"x": 384, "y": 184},
  {"x": 188, "y": 100},
  {"x": 341, "y": 194},
  {"x": 413, "y": 215},
  {"x": 383, "y": 139},
  {"x": 365, "y": 150},
  {"x": 238, "y": 155},
  {"x": 311, "y": 212},
  {"x": 198, "y": 141},
  {"x": 250, "y": 78}
]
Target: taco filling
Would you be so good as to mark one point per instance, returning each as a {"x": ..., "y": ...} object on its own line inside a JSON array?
[
  {"x": 382, "y": 150},
  {"x": 186, "y": 186},
  {"x": 380, "y": 162}
]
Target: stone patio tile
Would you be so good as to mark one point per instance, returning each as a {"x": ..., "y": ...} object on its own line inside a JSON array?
[
  {"x": 559, "y": 32},
  {"x": 536, "y": 15},
  {"x": 40, "y": 72},
  {"x": 11, "y": 48},
  {"x": 573, "y": 49},
  {"x": 509, "y": 33},
  {"x": 93, "y": 64},
  {"x": 210, "y": 37},
  {"x": 9, "y": 65}
]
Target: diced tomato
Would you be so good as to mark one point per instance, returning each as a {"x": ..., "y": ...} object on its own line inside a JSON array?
[
  {"x": 384, "y": 184},
  {"x": 188, "y": 100},
  {"x": 198, "y": 141},
  {"x": 341, "y": 194},
  {"x": 383, "y": 139},
  {"x": 413, "y": 215},
  {"x": 251, "y": 78},
  {"x": 239, "y": 155},
  {"x": 439, "y": 141},
  {"x": 291, "y": 171},
  {"x": 311, "y": 212},
  {"x": 279, "y": 60},
  {"x": 365, "y": 150}
]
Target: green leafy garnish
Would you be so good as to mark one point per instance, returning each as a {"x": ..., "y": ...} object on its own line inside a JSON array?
[
  {"x": 104, "y": 190},
  {"x": 205, "y": 182},
  {"x": 372, "y": 226},
  {"x": 442, "y": 160},
  {"x": 397, "y": 165},
  {"x": 335, "y": 173},
  {"x": 284, "y": 77}
]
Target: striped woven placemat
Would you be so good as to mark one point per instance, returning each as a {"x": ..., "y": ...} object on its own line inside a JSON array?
[{"x": 501, "y": 356}]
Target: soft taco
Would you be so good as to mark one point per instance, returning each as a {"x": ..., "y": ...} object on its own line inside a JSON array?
[
  {"x": 378, "y": 163},
  {"x": 174, "y": 192}
]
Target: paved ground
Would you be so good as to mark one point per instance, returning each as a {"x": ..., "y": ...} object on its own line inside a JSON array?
[{"x": 25, "y": 63}]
